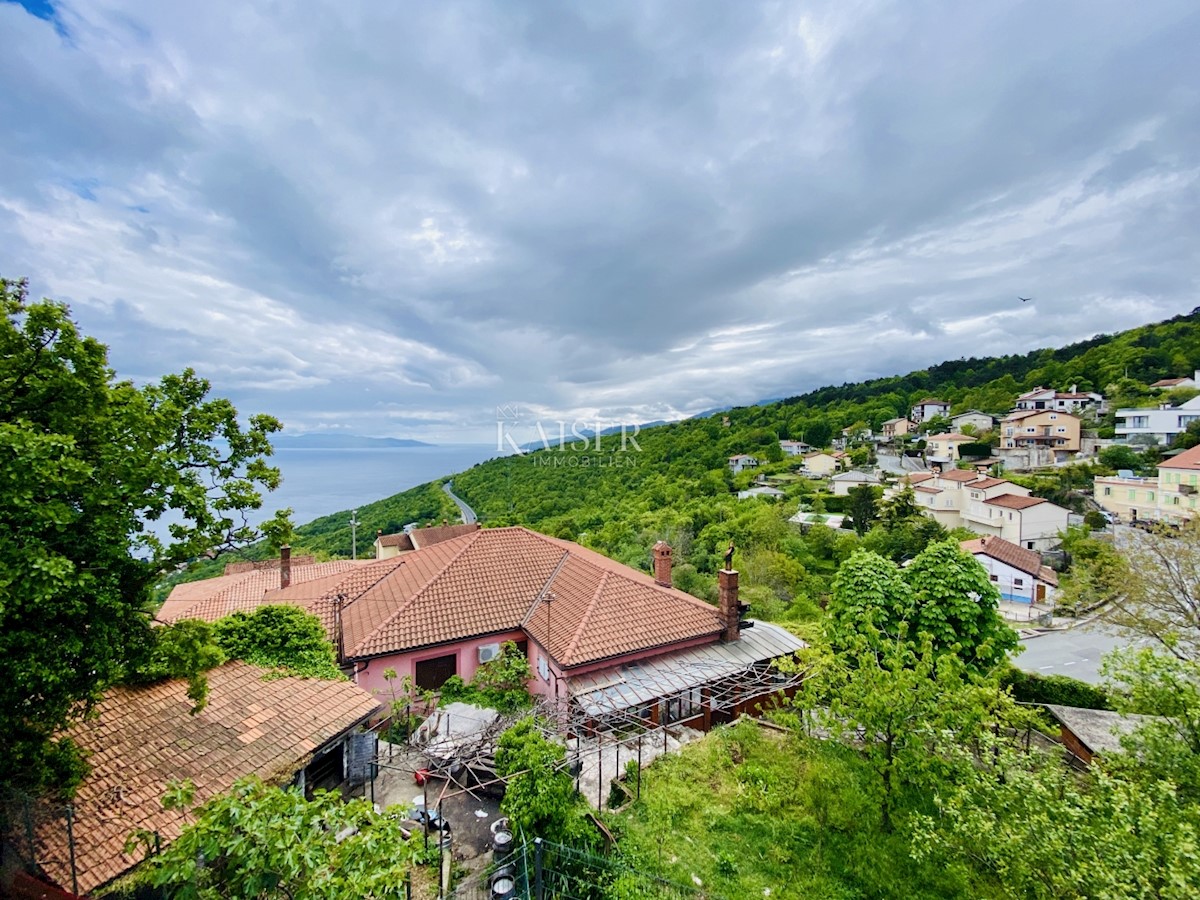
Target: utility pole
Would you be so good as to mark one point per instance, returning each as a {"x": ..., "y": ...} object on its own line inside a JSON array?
[{"x": 354, "y": 523}]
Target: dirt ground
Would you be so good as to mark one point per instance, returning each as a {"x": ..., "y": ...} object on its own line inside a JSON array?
[{"x": 469, "y": 814}]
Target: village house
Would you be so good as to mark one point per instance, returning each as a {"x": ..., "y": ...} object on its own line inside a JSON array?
[
  {"x": 1059, "y": 432},
  {"x": 741, "y": 462},
  {"x": 959, "y": 498},
  {"x": 585, "y": 622},
  {"x": 794, "y": 448},
  {"x": 823, "y": 464},
  {"x": 981, "y": 421},
  {"x": 1073, "y": 401},
  {"x": 141, "y": 738},
  {"x": 842, "y": 482},
  {"x": 1017, "y": 573},
  {"x": 894, "y": 428},
  {"x": 1169, "y": 384},
  {"x": 927, "y": 409},
  {"x": 389, "y": 545},
  {"x": 1160, "y": 425},
  {"x": 943, "y": 448},
  {"x": 1171, "y": 498}
]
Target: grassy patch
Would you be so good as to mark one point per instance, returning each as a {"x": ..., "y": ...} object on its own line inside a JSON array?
[{"x": 756, "y": 813}]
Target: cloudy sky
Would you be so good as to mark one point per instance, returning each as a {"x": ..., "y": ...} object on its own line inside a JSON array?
[{"x": 391, "y": 218}]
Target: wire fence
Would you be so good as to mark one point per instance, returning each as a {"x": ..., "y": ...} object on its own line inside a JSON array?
[
  {"x": 37, "y": 834},
  {"x": 542, "y": 870}
]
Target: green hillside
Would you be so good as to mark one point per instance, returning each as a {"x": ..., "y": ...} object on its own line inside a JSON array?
[{"x": 675, "y": 483}]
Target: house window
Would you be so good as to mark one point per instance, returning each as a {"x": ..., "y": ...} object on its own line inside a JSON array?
[
  {"x": 994, "y": 577},
  {"x": 1150, "y": 496},
  {"x": 431, "y": 674},
  {"x": 1108, "y": 492},
  {"x": 543, "y": 668},
  {"x": 1054, "y": 415},
  {"x": 1019, "y": 582},
  {"x": 1133, "y": 495},
  {"x": 1061, "y": 430},
  {"x": 1029, "y": 545}
]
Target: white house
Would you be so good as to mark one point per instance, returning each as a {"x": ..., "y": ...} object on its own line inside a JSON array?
[
  {"x": 1167, "y": 384},
  {"x": 928, "y": 408},
  {"x": 1060, "y": 401},
  {"x": 1157, "y": 426},
  {"x": 794, "y": 448},
  {"x": 846, "y": 480},
  {"x": 982, "y": 421},
  {"x": 741, "y": 462},
  {"x": 943, "y": 448},
  {"x": 761, "y": 490},
  {"x": 1017, "y": 573}
]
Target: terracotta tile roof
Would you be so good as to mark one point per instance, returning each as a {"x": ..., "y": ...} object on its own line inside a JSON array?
[
  {"x": 918, "y": 477},
  {"x": 1015, "y": 501},
  {"x": 926, "y": 489},
  {"x": 213, "y": 598},
  {"x": 963, "y": 476},
  {"x": 956, "y": 438},
  {"x": 401, "y": 540},
  {"x": 427, "y": 537},
  {"x": 143, "y": 737},
  {"x": 1169, "y": 382},
  {"x": 495, "y": 580},
  {"x": 985, "y": 483},
  {"x": 1019, "y": 558},
  {"x": 1188, "y": 459}
]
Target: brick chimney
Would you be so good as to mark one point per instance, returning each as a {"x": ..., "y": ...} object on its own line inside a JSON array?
[
  {"x": 662, "y": 563},
  {"x": 727, "y": 593},
  {"x": 285, "y": 566}
]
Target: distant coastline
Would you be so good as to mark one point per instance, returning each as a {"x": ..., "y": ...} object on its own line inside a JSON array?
[{"x": 318, "y": 441}]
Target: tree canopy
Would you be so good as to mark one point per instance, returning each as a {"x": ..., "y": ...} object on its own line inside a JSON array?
[{"x": 103, "y": 486}]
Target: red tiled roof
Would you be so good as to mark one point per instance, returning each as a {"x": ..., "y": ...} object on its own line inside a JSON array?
[
  {"x": 985, "y": 483},
  {"x": 960, "y": 475},
  {"x": 1015, "y": 501},
  {"x": 1188, "y": 459},
  {"x": 401, "y": 540},
  {"x": 959, "y": 438},
  {"x": 918, "y": 477},
  {"x": 925, "y": 489},
  {"x": 495, "y": 580},
  {"x": 427, "y": 537},
  {"x": 143, "y": 737},
  {"x": 1169, "y": 382},
  {"x": 1007, "y": 552},
  {"x": 213, "y": 598}
]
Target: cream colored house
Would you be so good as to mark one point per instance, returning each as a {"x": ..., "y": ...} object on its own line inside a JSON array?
[
  {"x": 822, "y": 463},
  {"x": 894, "y": 428},
  {"x": 1054, "y": 430},
  {"x": 980, "y": 420},
  {"x": 944, "y": 447},
  {"x": 1172, "y": 497},
  {"x": 989, "y": 506}
]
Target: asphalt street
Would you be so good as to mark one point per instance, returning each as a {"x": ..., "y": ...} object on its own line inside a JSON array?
[{"x": 1076, "y": 652}]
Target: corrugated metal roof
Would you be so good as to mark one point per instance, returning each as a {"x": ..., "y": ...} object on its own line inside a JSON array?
[{"x": 640, "y": 682}]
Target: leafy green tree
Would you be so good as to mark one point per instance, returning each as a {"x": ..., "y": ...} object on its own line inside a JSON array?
[
  {"x": 539, "y": 796},
  {"x": 261, "y": 841},
  {"x": 868, "y": 593},
  {"x": 1046, "y": 833},
  {"x": 185, "y": 649},
  {"x": 88, "y": 464},
  {"x": 1167, "y": 747},
  {"x": 956, "y": 605},
  {"x": 1120, "y": 456},
  {"x": 861, "y": 504}
]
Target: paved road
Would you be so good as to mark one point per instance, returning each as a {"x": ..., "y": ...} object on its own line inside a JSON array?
[
  {"x": 1076, "y": 652},
  {"x": 468, "y": 514}
]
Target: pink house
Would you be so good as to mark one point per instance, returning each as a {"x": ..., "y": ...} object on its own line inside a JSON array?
[{"x": 591, "y": 627}]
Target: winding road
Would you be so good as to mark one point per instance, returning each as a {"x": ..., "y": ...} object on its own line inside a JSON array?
[{"x": 468, "y": 514}]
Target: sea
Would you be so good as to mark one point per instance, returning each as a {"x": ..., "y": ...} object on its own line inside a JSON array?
[{"x": 318, "y": 482}]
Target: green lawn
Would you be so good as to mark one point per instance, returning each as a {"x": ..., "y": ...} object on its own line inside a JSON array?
[{"x": 758, "y": 813}]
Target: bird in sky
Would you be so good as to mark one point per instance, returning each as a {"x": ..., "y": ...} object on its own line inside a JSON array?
[{"x": 1024, "y": 299}]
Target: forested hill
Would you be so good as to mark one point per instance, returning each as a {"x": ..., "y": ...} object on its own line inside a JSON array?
[{"x": 676, "y": 484}]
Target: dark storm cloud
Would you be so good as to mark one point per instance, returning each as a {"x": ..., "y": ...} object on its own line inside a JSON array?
[{"x": 395, "y": 219}]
